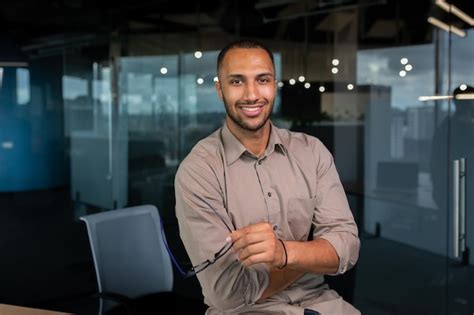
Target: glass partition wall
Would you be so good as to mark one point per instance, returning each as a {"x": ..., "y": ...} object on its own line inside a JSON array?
[
  {"x": 374, "y": 81},
  {"x": 377, "y": 107},
  {"x": 373, "y": 97}
]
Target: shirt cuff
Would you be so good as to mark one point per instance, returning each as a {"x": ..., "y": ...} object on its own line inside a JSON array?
[{"x": 342, "y": 244}]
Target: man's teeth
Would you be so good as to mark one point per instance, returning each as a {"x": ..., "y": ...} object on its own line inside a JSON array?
[{"x": 250, "y": 109}]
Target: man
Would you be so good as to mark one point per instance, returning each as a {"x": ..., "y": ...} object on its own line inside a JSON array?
[{"x": 272, "y": 195}]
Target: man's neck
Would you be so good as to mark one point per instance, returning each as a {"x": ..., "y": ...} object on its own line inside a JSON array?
[{"x": 254, "y": 141}]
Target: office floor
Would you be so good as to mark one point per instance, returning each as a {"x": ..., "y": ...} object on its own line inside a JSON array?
[{"x": 46, "y": 262}]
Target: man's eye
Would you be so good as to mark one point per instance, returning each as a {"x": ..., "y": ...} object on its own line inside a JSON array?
[
  {"x": 235, "y": 82},
  {"x": 264, "y": 80}
]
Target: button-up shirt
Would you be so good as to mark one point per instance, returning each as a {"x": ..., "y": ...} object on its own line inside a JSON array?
[{"x": 294, "y": 186}]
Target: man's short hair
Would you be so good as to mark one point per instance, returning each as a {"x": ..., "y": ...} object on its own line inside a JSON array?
[{"x": 242, "y": 43}]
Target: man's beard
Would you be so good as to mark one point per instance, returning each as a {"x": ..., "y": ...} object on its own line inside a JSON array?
[{"x": 240, "y": 122}]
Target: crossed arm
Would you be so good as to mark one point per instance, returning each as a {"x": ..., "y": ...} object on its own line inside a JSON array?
[
  {"x": 230, "y": 284},
  {"x": 258, "y": 243}
]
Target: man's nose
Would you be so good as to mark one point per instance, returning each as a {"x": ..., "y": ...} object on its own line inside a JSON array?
[{"x": 251, "y": 92}]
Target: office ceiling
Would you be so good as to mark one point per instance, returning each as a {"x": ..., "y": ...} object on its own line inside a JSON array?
[{"x": 381, "y": 22}]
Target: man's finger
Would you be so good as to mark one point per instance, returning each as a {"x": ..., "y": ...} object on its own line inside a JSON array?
[
  {"x": 255, "y": 259},
  {"x": 253, "y": 228},
  {"x": 256, "y": 249},
  {"x": 249, "y": 239}
]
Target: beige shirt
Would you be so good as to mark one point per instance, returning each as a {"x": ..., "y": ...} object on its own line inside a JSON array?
[{"x": 293, "y": 186}]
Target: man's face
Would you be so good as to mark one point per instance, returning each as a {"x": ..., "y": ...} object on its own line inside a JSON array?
[{"x": 247, "y": 87}]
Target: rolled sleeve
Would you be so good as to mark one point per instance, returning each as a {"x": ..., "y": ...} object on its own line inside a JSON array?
[
  {"x": 259, "y": 279},
  {"x": 347, "y": 249},
  {"x": 333, "y": 218},
  {"x": 230, "y": 286},
  {"x": 227, "y": 285}
]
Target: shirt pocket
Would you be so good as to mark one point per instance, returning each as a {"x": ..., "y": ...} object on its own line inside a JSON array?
[{"x": 300, "y": 217}]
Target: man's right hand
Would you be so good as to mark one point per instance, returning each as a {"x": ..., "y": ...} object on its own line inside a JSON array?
[{"x": 257, "y": 243}]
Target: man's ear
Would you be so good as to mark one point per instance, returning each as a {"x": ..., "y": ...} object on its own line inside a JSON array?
[{"x": 218, "y": 87}]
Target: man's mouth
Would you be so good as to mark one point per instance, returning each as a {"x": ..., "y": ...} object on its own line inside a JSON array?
[{"x": 251, "y": 110}]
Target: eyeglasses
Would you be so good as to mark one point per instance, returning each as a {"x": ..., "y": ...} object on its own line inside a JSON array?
[{"x": 199, "y": 267}]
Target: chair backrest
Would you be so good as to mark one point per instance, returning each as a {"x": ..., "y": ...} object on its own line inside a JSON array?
[{"x": 129, "y": 255}]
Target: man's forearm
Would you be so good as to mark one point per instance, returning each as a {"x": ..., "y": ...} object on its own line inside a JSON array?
[
  {"x": 302, "y": 258},
  {"x": 317, "y": 256},
  {"x": 279, "y": 280}
]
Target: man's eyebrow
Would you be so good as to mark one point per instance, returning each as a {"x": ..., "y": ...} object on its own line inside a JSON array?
[
  {"x": 235, "y": 75},
  {"x": 266, "y": 74},
  {"x": 240, "y": 76}
]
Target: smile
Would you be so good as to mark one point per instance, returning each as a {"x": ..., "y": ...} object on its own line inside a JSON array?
[{"x": 252, "y": 111}]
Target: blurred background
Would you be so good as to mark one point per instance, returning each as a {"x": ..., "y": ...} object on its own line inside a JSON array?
[{"x": 99, "y": 103}]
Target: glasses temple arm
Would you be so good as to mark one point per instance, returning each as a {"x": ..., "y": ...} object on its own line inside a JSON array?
[
  {"x": 169, "y": 251},
  {"x": 217, "y": 213}
]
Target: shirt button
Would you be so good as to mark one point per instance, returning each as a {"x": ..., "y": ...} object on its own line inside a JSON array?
[
  {"x": 269, "y": 194},
  {"x": 259, "y": 162},
  {"x": 275, "y": 227}
]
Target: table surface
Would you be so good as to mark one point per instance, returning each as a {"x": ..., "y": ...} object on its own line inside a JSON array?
[{"x": 20, "y": 310}]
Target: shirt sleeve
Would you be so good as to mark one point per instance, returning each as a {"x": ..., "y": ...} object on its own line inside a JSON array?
[
  {"x": 333, "y": 218},
  {"x": 227, "y": 285}
]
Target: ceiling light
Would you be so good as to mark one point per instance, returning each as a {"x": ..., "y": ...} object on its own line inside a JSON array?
[
  {"x": 292, "y": 81},
  {"x": 456, "y": 11},
  {"x": 402, "y": 73},
  {"x": 438, "y": 23},
  {"x": 280, "y": 84},
  {"x": 301, "y": 78},
  {"x": 408, "y": 67},
  {"x": 198, "y": 54},
  {"x": 216, "y": 79},
  {"x": 463, "y": 16},
  {"x": 434, "y": 98},
  {"x": 457, "y": 31},
  {"x": 465, "y": 96},
  {"x": 307, "y": 85},
  {"x": 334, "y": 70},
  {"x": 350, "y": 87},
  {"x": 322, "y": 89},
  {"x": 163, "y": 70},
  {"x": 200, "y": 80},
  {"x": 443, "y": 5},
  {"x": 463, "y": 87},
  {"x": 335, "y": 62},
  {"x": 446, "y": 27},
  {"x": 404, "y": 61}
]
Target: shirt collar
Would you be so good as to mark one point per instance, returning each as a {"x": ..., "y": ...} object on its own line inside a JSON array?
[
  {"x": 234, "y": 149},
  {"x": 275, "y": 141}
]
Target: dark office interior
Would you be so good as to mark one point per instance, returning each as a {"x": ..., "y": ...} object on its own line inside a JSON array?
[{"x": 100, "y": 102}]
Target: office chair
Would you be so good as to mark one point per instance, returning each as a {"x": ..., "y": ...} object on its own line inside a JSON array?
[
  {"x": 344, "y": 284},
  {"x": 129, "y": 255}
]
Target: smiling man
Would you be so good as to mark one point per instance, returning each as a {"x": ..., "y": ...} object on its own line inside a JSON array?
[{"x": 261, "y": 210}]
